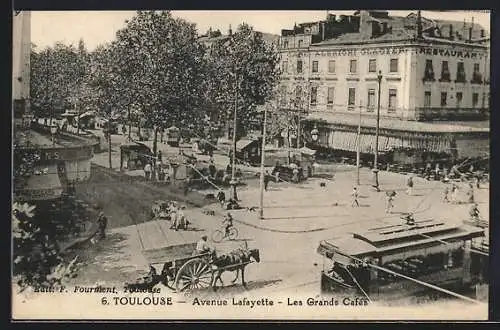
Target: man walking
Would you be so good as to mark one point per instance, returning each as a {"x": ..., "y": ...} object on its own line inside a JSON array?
[
  {"x": 446, "y": 194},
  {"x": 147, "y": 171},
  {"x": 409, "y": 185},
  {"x": 454, "y": 193},
  {"x": 389, "y": 202},
  {"x": 102, "y": 223},
  {"x": 470, "y": 193},
  {"x": 355, "y": 196}
]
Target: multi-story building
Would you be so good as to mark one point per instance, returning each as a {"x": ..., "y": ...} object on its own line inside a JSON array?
[{"x": 429, "y": 71}]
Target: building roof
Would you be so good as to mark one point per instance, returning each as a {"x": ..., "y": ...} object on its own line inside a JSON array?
[
  {"x": 404, "y": 28},
  {"x": 401, "y": 125}
]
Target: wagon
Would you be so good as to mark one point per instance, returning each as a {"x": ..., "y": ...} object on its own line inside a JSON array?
[{"x": 186, "y": 270}]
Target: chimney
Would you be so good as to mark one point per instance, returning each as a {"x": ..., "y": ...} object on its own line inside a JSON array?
[
  {"x": 419, "y": 24},
  {"x": 451, "y": 31},
  {"x": 365, "y": 27},
  {"x": 482, "y": 33},
  {"x": 322, "y": 31},
  {"x": 470, "y": 29},
  {"x": 230, "y": 31}
]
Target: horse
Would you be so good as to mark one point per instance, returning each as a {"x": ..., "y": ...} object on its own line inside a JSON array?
[{"x": 233, "y": 261}]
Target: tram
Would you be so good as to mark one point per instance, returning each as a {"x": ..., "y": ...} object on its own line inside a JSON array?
[{"x": 371, "y": 262}]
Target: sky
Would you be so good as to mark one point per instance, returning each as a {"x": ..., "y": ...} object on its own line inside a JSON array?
[{"x": 98, "y": 27}]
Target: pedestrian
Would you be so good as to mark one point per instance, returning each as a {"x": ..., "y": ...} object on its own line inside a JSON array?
[
  {"x": 446, "y": 194},
  {"x": 470, "y": 193},
  {"x": 102, "y": 224},
  {"x": 159, "y": 156},
  {"x": 409, "y": 185},
  {"x": 474, "y": 212},
  {"x": 389, "y": 202},
  {"x": 355, "y": 197},
  {"x": 478, "y": 180},
  {"x": 147, "y": 171},
  {"x": 454, "y": 193},
  {"x": 436, "y": 172},
  {"x": 124, "y": 130},
  {"x": 266, "y": 180}
]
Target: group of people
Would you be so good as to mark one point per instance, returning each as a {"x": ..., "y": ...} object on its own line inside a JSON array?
[{"x": 159, "y": 173}]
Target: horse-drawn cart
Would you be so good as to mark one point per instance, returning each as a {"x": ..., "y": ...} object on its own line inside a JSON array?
[{"x": 186, "y": 270}]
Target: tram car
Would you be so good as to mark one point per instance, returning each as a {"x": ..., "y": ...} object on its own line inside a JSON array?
[{"x": 388, "y": 262}]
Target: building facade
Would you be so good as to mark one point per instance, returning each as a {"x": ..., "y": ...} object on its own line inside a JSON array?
[{"x": 429, "y": 71}]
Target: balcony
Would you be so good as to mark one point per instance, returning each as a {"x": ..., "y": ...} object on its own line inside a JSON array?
[
  {"x": 445, "y": 77},
  {"x": 438, "y": 114},
  {"x": 429, "y": 76},
  {"x": 460, "y": 78},
  {"x": 477, "y": 78}
]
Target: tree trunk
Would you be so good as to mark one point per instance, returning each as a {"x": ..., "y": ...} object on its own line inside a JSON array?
[
  {"x": 155, "y": 149},
  {"x": 109, "y": 151}
]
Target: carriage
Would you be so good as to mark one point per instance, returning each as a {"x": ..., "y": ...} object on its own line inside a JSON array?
[
  {"x": 185, "y": 270},
  {"x": 388, "y": 262}
]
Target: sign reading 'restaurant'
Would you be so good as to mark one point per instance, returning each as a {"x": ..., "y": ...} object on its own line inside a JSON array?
[{"x": 400, "y": 50}]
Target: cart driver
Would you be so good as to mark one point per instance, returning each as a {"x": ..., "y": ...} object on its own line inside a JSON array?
[
  {"x": 227, "y": 222},
  {"x": 202, "y": 245}
]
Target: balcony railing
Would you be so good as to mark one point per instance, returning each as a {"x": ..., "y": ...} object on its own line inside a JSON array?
[
  {"x": 430, "y": 114},
  {"x": 477, "y": 78}
]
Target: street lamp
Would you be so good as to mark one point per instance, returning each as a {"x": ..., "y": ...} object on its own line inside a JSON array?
[
  {"x": 53, "y": 131},
  {"x": 262, "y": 160},
  {"x": 233, "y": 181},
  {"x": 375, "y": 161}
]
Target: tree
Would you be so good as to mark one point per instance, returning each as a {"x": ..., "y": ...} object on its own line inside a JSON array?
[
  {"x": 242, "y": 66},
  {"x": 56, "y": 73},
  {"x": 161, "y": 67}
]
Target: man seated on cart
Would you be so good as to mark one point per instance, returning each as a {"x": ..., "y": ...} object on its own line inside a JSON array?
[
  {"x": 227, "y": 222},
  {"x": 202, "y": 246}
]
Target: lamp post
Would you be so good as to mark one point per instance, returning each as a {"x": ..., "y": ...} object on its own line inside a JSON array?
[
  {"x": 262, "y": 159},
  {"x": 53, "y": 131},
  {"x": 375, "y": 161},
  {"x": 233, "y": 182},
  {"x": 358, "y": 142}
]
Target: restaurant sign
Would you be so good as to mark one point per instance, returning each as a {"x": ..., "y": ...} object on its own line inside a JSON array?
[{"x": 399, "y": 50}]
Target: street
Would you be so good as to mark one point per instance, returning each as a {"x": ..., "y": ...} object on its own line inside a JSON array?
[{"x": 297, "y": 217}]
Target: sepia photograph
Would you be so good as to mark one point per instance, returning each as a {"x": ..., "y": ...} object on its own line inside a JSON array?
[{"x": 250, "y": 165}]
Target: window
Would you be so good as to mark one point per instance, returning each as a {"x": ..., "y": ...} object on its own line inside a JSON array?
[
  {"x": 298, "y": 95},
  {"x": 299, "y": 66},
  {"x": 460, "y": 72},
  {"x": 285, "y": 44},
  {"x": 352, "y": 97},
  {"x": 393, "y": 65},
  {"x": 283, "y": 95},
  {"x": 444, "y": 98},
  {"x": 392, "y": 100},
  {"x": 314, "y": 95},
  {"x": 372, "y": 65},
  {"x": 459, "y": 97},
  {"x": 427, "y": 99},
  {"x": 371, "y": 100},
  {"x": 300, "y": 43},
  {"x": 315, "y": 66},
  {"x": 284, "y": 67},
  {"x": 331, "y": 66},
  {"x": 429, "y": 70},
  {"x": 353, "y": 66},
  {"x": 329, "y": 95},
  {"x": 475, "y": 100},
  {"x": 445, "y": 71},
  {"x": 476, "y": 75}
]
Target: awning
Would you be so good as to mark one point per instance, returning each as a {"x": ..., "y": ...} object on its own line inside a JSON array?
[
  {"x": 243, "y": 143},
  {"x": 344, "y": 140},
  {"x": 43, "y": 186}
]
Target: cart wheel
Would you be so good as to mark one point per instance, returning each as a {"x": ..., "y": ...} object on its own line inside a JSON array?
[
  {"x": 217, "y": 236},
  {"x": 194, "y": 274},
  {"x": 233, "y": 233}
]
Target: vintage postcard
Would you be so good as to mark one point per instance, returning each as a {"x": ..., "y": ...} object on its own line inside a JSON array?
[{"x": 257, "y": 165}]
